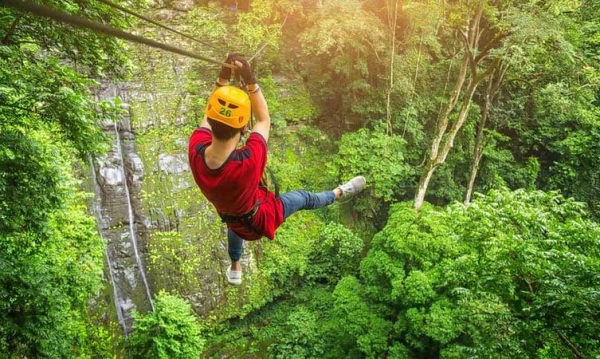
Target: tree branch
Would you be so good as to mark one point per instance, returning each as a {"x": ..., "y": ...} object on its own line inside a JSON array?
[
  {"x": 493, "y": 42},
  {"x": 487, "y": 72},
  {"x": 566, "y": 340},
  {"x": 464, "y": 37},
  {"x": 11, "y": 29}
]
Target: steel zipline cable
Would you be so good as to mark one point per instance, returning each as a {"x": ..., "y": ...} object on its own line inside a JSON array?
[
  {"x": 147, "y": 19},
  {"x": 47, "y": 12}
]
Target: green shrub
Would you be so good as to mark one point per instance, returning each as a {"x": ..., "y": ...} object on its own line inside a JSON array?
[
  {"x": 300, "y": 338},
  {"x": 335, "y": 253},
  {"x": 50, "y": 250},
  {"x": 380, "y": 158},
  {"x": 171, "y": 331}
]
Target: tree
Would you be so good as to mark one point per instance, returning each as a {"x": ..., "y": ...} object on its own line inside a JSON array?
[
  {"x": 340, "y": 61},
  {"x": 50, "y": 252},
  {"x": 477, "y": 38},
  {"x": 494, "y": 83},
  {"x": 515, "y": 274},
  {"x": 549, "y": 108},
  {"x": 334, "y": 254},
  {"x": 380, "y": 158},
  {"x": 393, "y": 24}
]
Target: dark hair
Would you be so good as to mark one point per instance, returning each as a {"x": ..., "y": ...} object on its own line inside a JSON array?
[{"x": 223, "y": 132}]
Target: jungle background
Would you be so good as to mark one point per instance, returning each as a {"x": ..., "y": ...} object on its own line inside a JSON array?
[{"x": 475, "y": 122}]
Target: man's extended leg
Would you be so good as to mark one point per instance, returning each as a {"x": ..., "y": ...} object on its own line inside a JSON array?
[
  {"x": 235, "y": 248},
  {"x": 298, "y": 200}
]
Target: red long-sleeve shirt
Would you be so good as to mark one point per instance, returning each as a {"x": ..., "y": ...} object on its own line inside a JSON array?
[{"x": 234, "y": 188}]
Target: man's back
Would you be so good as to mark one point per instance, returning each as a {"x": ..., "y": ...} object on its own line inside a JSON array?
[{"x": 234, "y": 188}]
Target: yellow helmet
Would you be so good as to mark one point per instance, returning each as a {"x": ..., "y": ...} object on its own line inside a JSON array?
[{"x": 229, "y": 105}]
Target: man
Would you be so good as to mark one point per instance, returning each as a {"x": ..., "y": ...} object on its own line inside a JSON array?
[{"x": 230, "y": 178}]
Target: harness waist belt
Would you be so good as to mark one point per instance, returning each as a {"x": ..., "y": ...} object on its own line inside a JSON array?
[{"x": 244, "y": 218}]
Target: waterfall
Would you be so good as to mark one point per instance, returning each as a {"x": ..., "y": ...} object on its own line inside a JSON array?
[
  {"x": 131, "y": 218},
  {"x": 96, "y": 210},
  {"x": 116, "y": 295}
]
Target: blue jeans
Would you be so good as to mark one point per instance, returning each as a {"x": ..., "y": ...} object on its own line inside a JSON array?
[{"x": 292, "y": 203}]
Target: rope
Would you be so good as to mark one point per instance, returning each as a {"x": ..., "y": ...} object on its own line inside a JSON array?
[
  {"x": 47, "y": 12},
  {"x": 119, "y": 7}
]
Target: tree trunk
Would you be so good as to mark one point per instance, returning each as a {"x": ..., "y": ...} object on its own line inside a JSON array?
[
  {"x": 393, "y": 24},
  {"x": 473, "y": 175},
  {"x": 442, "y": 124},
  {"x": 470, "y": 39},
  {"x": 490, "y": 94},
  {"x": 414, "y": 83},
  {"x": 422, "y": 189},
  {"x": 478, "y": 149}
]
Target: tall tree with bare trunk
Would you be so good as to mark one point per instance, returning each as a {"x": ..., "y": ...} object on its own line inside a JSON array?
[
  {"x": 477, "y": 38},
  {"x": 493, "y": 87},
  {"x": 393, "y": 22}
]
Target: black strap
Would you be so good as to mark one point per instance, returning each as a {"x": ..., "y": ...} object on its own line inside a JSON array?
[
  {"x": 244, "y": 218},
  {"x": 275, "y": 182}
]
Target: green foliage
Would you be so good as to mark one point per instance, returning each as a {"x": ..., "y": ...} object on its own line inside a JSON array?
[
  {"x": 499, "y": 167},
  {"x": 301, "y": 338},
  {"x": 358, "y": 320},
  {"x": 91, "y": 54},
  {"x": 288, "y": 101},
  {"x": 100, "y": 340},
  {"x": 513, "y": 272},
  {"x": 48, "y": 272},
  {"x": 60, "y": 102},
  {"x": 378, "y": 157},
  {"x": 303, "y": 325},
  {"x": 513, "y": 275},
  {"x": 577, "y": 167},
  {"x": 50, "y": 251},
  {"x": 334, "y": 254},
  {"x": 339, "y": 48},
  {"x": 30, "y": 177},
  {"x": 173, "y": 262},
  {"x": 553, "y": 114},
  {"x": 286, "y": 258},
  {"x": 51, "y": 259},
  {"x": 171, "y": 331}
]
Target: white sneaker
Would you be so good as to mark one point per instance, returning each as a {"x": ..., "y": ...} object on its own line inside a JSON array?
[
  {"x": 353, "y": 186},
  {"x": 234, "y": 276}
]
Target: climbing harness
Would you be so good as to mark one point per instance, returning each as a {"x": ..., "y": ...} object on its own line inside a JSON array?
[
  {"x": 47, "y": 12},
  {"x": 246, "y": 219}
]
